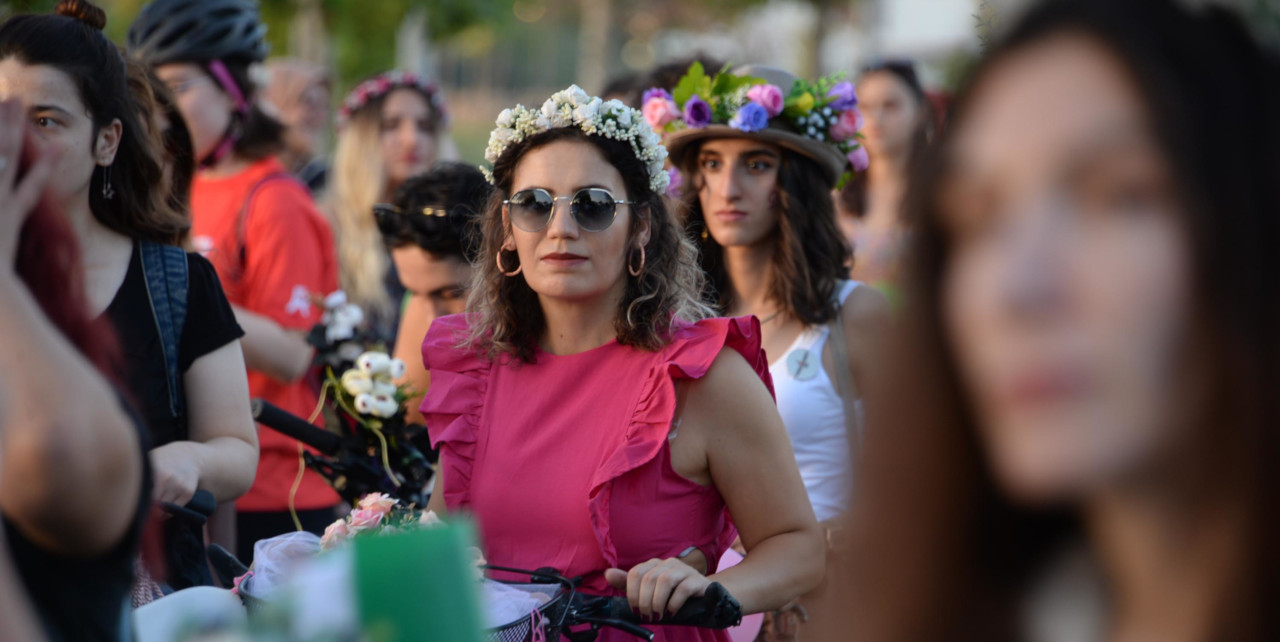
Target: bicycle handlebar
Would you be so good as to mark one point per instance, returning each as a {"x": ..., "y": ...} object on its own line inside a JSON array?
[
  {"x": 269, "y": 415},
  {"x": 716, "y": 609}
]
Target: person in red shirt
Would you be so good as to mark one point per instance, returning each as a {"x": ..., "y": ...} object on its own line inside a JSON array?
[{"x": 271, "y": 248}]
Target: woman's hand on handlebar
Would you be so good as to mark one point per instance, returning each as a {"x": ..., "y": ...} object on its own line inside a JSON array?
[
  {"x": 176, "y": 471},
  {"x": 657, "y": 588}
]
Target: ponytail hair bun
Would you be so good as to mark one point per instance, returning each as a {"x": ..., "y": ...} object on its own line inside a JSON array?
[{"x": 84, "y": 11}]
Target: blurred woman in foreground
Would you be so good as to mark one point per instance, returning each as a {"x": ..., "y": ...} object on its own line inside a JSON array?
[{"x": 1082, "y": 403}]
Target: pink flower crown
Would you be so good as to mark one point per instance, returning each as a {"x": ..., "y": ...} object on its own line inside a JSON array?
[{"x": 385, "y": 83}]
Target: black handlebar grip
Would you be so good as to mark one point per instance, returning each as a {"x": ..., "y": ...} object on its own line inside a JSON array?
[
  {"x": 291, "y": 425},
  {"x": 716, "y": 609}
]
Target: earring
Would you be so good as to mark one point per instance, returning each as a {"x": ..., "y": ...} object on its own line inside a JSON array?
[
  {"x": 108, "y": 192},
  {"x": 638, "y": 270},
  {"x": 704, "y": 234},
  {"x": 502, "y": 269}
]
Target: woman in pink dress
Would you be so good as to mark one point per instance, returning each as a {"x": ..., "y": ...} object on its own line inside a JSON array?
[{"x": 590, "y": 417}]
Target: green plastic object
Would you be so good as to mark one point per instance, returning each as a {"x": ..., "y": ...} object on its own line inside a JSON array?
[{"x": 418, "y": 585}]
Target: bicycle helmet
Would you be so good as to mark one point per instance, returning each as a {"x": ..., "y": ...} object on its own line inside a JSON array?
[{"x": 199, "y": 30}]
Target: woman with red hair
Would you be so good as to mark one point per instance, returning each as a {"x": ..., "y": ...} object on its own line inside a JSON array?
[{"x": 73, "y": 480}]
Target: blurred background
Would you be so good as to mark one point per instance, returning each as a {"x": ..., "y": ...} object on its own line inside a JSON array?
[{"x": 488, "y": 54}]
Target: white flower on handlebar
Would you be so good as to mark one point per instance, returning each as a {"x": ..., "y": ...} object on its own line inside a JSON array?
[
  {"x": 357, "y": 383},
  {"x": 397, "y": 369},
  {"x": 383, "y": 388},
  {"x": 340, "y": 318},
  {"x": 377, "y": 405},
  {"x": 374, "y": 363}
]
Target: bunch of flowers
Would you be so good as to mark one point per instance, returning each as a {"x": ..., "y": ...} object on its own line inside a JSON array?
[
  {"x": 370, "y": 388},
  {"x": 573, "y": 107},
  {"x": 342, "y": 333},
  {"x": 374, "y": 513},
  {"x": 383, "y": 84},
  {"x": 825, "y": 110},
  {"x": 377, "y": 513},
  {"x": 380, "y": 451}
]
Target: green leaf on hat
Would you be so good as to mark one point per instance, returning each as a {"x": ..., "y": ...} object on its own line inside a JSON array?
[
  {"x": 694, "y": 82},
  {"x": 726, "y": 83},
  {"x": 798, "y": 105}
]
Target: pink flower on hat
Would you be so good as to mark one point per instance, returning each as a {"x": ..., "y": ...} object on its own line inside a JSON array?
[
  {"x": 767, "y": 96},
  {"x": 659, "y": 111},
  {"x": 859, "y": 159},
  {"x": 847, "y": 125}
]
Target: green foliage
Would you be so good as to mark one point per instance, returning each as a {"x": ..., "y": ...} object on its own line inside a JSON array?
[{"x": 695, "y": 82}]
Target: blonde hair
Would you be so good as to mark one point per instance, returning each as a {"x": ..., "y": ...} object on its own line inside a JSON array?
[{"x": 358, "y": 180}]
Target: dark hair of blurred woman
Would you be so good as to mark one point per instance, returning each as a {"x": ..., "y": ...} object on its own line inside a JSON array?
[{"x": 977, "y": 482}]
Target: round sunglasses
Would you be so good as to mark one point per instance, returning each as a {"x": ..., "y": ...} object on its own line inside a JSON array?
[{"x": 593, "y": 208}]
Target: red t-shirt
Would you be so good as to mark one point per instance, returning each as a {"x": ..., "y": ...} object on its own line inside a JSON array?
[{"x": 288, "y": 265}]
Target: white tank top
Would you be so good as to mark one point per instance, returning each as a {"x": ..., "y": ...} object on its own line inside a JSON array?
[{"x": 814, "y": 415}]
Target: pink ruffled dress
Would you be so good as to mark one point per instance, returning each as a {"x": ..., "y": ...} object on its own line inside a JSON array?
[{"x": 565, "y": 462}]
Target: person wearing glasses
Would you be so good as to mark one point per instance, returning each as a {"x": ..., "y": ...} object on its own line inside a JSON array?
[
  {"x": 590, "y": 413},
  {"x": 428, "y": 226}
]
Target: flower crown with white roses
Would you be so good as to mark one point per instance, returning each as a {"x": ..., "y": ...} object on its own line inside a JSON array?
[
  {"x": 573, "y": 107},
  {"x": 825, "y": 110},
  {"x": 385, "y": 83}
]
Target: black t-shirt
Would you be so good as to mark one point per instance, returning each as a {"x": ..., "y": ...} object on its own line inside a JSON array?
[
  {"x": 84, "y": 598},
  {"x": 210, "y": 324}
]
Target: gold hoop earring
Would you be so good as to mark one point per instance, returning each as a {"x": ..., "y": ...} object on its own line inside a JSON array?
[
  {"x": 503, "y": 270},
  {"x": 638, "y": 270}
]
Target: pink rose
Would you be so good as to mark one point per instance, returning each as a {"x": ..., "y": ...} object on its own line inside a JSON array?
[
  {"x": 364, "y": 519},
  {"x": 767, "y": 96},
  {"x": 847, "y": 125},
  {"x": 659, "y": 111},
  {"x": 377, "y": 501},
  {"x": 859, "y": 159},
  {"x": 335, "y": 534}
]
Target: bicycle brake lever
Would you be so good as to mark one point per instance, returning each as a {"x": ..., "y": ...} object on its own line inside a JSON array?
[{"x": 621, "y": 625}]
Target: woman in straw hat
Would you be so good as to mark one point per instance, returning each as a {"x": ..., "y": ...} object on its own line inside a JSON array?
[{"x": 761, "y": 152}]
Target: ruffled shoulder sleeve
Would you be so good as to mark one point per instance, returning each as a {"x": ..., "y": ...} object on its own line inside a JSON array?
[
  {"x": 690, "y": 354},
  {"x": 454, "y": 402},
  {"x": 696, "y": 346}
]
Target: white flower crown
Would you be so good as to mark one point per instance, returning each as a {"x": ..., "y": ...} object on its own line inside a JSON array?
[{"x": 573, "y": 107}]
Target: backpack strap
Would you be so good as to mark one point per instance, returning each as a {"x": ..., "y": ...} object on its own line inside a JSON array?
[
  {"x": 242, "y": 217},
  {"x": 844, "y": 380},
  {"x": 165, "y": 269}
]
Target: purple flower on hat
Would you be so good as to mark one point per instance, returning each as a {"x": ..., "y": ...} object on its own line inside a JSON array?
[
  {"x": 655, "y": 92},
  {"x": 697, "y": 113},
  {"x": 859, "y": 159},
  {"x": 751, "y": 118},
  {"x": 843, "y": 96},
  {"x": 675, "y": 186}
]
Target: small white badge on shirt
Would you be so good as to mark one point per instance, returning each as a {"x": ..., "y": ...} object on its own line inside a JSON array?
[
  {"x": 299, "y": 302},
  {"x": 803, "y": 365}
]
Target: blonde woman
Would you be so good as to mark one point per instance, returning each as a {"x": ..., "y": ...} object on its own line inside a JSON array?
[{"x": 389, "y": 130}]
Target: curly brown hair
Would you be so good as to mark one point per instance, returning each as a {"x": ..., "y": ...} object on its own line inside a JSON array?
[{"x": 504, "y": 314}]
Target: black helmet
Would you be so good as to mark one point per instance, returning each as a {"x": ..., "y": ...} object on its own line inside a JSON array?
[{"x": 199, "y": 31}]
